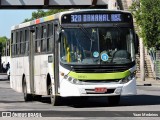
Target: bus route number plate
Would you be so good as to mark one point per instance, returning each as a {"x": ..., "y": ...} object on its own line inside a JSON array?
[{"x": 100, "y": 90}]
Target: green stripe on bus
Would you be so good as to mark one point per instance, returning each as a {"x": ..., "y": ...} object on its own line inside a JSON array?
[{"x": 99, "y": 76}]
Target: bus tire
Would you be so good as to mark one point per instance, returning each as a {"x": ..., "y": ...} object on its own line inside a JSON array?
[
  {"x": 8, "y": 77},
  {"x": 113, "y": 100},
  {"x": 53, "y": 98},
  {"x": 27, "y": 97}
]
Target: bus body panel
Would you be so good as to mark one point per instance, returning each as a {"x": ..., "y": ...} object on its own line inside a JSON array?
[
  {"x": 130, "y": 88},
  {"x": 44, "y": 65},
  {"x": 42, "y": 68},
  {"x": 19, "y": 66},
  {"x": 70, "y": 89}
]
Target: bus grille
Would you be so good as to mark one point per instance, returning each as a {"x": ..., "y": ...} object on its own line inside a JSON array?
[
  {"x": 99, "y": 69},
  {"x": 100, "y": 81}
]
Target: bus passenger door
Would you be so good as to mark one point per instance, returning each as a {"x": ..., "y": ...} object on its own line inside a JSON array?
[{"x": 31, "y": 59}]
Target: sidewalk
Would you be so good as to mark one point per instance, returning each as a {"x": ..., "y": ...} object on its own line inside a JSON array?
[{"x": 148, "y": 82}]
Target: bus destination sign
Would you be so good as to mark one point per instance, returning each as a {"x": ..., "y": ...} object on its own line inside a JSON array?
[{"x": 91, "y": 18}]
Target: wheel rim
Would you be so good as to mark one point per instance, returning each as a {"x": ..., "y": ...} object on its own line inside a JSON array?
[{"x": 51, "y": 94}]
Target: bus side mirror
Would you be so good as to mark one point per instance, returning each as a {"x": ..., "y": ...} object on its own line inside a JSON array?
[
  {"x": 58, "y": 34},
  {"x": 136, "y": 43}
]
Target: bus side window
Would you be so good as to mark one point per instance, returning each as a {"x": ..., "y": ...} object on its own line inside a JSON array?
[
  {"x": 17, "y": 42},
  {"x": 21, "y": 43},
  {"x": 49, "y": 37},
  {"x": 13, "y": 43},
  {"x": 12, "y": 38},
  {"x": 26, "y": 36},
  {"x": 36, "y": 38}
]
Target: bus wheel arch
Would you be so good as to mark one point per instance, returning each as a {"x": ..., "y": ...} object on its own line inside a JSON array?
[
  {"x": 23, "y": 82},
  {"x": 48, "y": 83},
  {"x": 53, "y": 98},
  {"x": 27, "y": 97}
]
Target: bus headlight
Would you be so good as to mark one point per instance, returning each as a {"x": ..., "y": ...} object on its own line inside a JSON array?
[
  {"x": 75, "y": 81},
  {"x": 69, "y": 79},
  {"x": 72, "y": 80},
  {"x": 128, "y": 78}
]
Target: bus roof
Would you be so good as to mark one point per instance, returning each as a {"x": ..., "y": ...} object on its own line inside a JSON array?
[{"x": 57, "y": 16}]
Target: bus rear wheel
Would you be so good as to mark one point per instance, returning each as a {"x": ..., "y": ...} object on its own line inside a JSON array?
[{"x": 113, "y": 100}]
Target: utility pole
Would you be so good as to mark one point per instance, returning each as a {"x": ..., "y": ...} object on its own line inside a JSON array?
[{"x": 142, "y": 71}]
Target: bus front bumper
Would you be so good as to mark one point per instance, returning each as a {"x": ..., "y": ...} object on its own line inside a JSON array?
[{"x": 68, "y": 89}]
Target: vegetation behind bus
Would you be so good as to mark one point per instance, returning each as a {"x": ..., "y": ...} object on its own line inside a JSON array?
[
  {"x": 41, "y": 13},
  {"x": 147, "y": 16},
  {"x": 3, "y": 41}
]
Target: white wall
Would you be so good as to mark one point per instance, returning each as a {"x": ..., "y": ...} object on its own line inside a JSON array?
[{"x": 112, "y": 4}]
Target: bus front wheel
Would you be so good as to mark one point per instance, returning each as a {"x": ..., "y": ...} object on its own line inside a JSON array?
[
  {"x": 54, "y": 98},
  {"x": 113, "y": 100},
  {"x": 27, "y": 97}
]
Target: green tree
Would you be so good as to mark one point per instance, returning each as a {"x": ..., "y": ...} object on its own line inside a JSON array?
[
  {"x": 42, "y": 13},
  {"x": 147, "y": 16},
  {"x": 2, "y": 43},
  {"x": 53, "y": 11}
]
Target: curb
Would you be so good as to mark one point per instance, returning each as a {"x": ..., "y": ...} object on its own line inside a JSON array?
[{"x": 148, "y": 84}]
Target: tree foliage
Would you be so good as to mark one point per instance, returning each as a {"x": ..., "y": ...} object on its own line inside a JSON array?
[
  {"x": 147, "y": 16},
  {"x": 42, "y": 13},
  {"x": 2, "y": 43}
]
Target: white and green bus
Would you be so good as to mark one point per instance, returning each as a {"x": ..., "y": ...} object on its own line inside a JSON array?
[{"x": 77, "y": 53}]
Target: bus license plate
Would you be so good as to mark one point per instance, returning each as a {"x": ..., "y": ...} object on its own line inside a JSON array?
[{"x": 100, "y": 90}]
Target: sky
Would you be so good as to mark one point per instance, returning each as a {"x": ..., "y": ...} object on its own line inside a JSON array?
[{"x": 9, "y": 18}]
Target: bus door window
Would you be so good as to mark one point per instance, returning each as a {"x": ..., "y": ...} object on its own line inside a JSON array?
[
  {"x": 64, "y": 46},
  {"x": 13, "y": 43},
  {"x": 38, "y": 39},
  {"x": 49, "y": 37},
  {"x": 26, "y": 39},
  {"x": 17, "y": 43},
  {"x": 43, "y": 38},
  {"x": 68, "y": 47}
]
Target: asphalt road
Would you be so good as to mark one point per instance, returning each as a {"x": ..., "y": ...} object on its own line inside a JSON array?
[{"x": 147, "y": 99}]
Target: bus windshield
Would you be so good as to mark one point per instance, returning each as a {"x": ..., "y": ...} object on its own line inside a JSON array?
[{"x": 97, "y": 45}]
